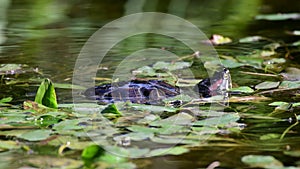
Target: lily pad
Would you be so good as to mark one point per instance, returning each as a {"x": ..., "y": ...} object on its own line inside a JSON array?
[
  {"x": 251, "y": 39},
  {"x": 168, "y": 151},
  {"x": 171, "y": 66},
  {"x": 261, "y": 161},
  {"x": 278, "y": 17},
  {"x": 267, "y": 85},
  {"x": 36, "y": 135},
  {"x": 223, "y": 120},
  {"x": 289, "y": 84},
  {"x": 242, "y": 89}
]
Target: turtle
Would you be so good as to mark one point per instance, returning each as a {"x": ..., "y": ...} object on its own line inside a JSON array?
[{"x": 153, "y": 91}]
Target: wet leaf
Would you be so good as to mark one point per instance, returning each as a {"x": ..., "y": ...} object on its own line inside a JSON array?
[
  {"x": 255, "y": 62},
  {"x": 36, "y": 135},
  {"x": 171, "y": 66},
  {"x": 295, "y": 153},
  {"x": 289, "y": 84},
  {"x": 145, "y": 71},
  {"x": 8, "y": 144},
  {"x": 267, "y": 85},
  {"x": 10, "y": 69},
  {"x": 278, "y": 17},
  {"x": 223, "y": 120},
  {"x": 232, "y": 63},
  {"x": 153, "y": 108},
  {"x": 270, "y": 136},
  {"x": 261, "y": 161},
  {"x": 168, "y": 151},
  {"x": 242, "y": 89},
  {"x": 53, "y": 162},
  {"x": 251, "y": 39},
  {"x": 46, "y": 94},
  {"x": 67, "y": 125},
  {"x": 292, "y": 74}
]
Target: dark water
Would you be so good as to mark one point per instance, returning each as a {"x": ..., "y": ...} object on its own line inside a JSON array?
[{"x": 49, "y": 35}]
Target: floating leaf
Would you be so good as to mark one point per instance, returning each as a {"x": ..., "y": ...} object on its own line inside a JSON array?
[
  {"x": 36, "y": 135},
  {"x": 171, "y": 66},
  {"x": 10, "y": 69},
  {"x": 46, "y": 94},
  {"x": 251, "y": 61},
  {"x": 251, "y": 39},
  {"x": 289, "y": 84},
  {"x": 270, "y": 136},
  {"x": 278, "y": 17},
  {"x": 229, "y": 63},
  {"x": 261, "y": 161},
  {"x": 168, "y": 151},
  {"x": 295, "y": 153},
  {"x": 267, "y": 85},
  {"x": 292, "y": 74},
  {"x": 67, "y": 125},
  {"x": 8, "y": 144},
  {"x": 6, "y": 100},
  {"x": 145, "y": 71},
  {"x": 242, "y": 89},
  {"x": 277, "y": 103},
  {"x": 225, "y": 119}
]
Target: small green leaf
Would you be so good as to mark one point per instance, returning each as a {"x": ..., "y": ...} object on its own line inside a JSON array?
[
  {"x": 242, "y": 89},
  {"x": 267, "y": 85},
  {"x": 36, "y": 135},
  {"x": 269, "y": 136},
  {"x": 218, "y": 121},
  {"x": 277, "y": 103},
  {"x": 261, "y": 161},
  {"x": 46, "y": 94},
  {"x": 92, "y": 151},
  {"x": 278, "y": 17},
  {"x": 6, "y": 100},
  {"x": 111, "y": 112},
  {"x": 231, "y": 63}
]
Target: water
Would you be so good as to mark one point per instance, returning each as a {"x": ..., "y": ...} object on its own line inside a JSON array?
[{"x": 49, "y": 35}]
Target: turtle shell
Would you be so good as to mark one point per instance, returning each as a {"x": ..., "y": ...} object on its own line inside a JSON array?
[{"x": 135, "y": 91}]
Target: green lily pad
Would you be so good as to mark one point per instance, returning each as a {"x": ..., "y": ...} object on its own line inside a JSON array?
[
  {"x": 223, "y": 120},
  {"x": 295, "y": 153},
  {"x": 46, "y": 94},
  {"x": 278, "y": 17},
  {"x": 232, "y": 63},
  {"x": 267, "y": 85},
  {"x": 242, "y": 89},
  {"x": 171, "y": 66},
  {"x": 261, "y": 161},
  {"x": 67, "y": 125},
  {"x": 145, "y": 71},
  {"x": 289, "y": 84},
  {"x": 251, "y": 39},
  {"x": 36, "y": 135},
  {"x": 9, "y": 144},
  {"x": 168, "y": 151},
  {"x": 270, "y": 136}
]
